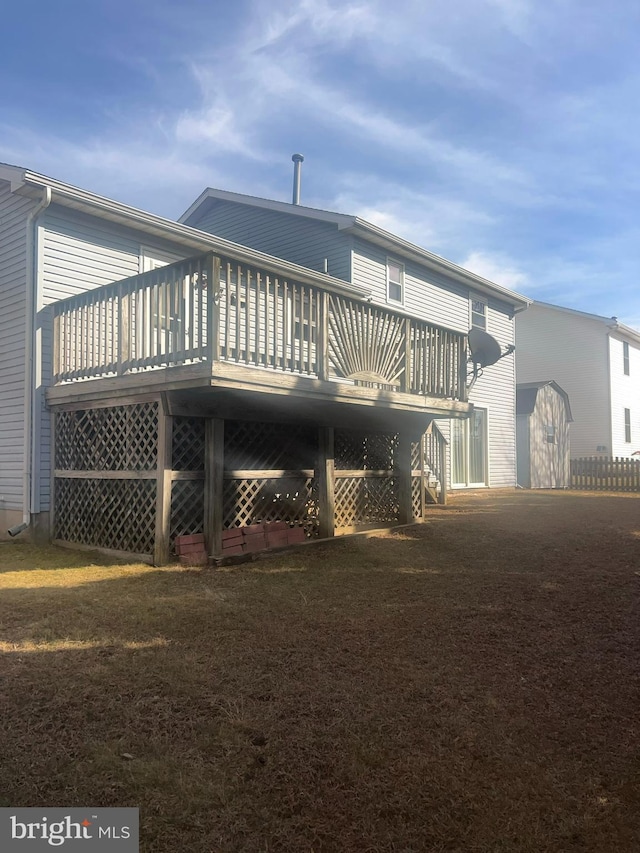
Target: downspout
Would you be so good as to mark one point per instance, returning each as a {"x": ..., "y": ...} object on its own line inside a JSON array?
[{"x": 29, "y": 370}]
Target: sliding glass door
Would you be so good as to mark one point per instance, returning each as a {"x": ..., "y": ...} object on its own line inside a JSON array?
[{"x": 469, "y": 450}]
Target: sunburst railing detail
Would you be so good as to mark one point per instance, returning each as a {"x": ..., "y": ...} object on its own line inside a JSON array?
[{"x": 365, "y": 342}]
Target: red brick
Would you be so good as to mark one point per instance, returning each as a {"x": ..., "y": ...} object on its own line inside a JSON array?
[
  {"x": 252, "y": 529},
  {"x": 230, "y": 550},
  {"x": 254, "y": 543},
  {"x": 189, "y": 540},
  {"x": 192, "y": 548},
  {"x": 232, "y": 535},
  {"x": 295, "y": 535},
  {"x": 277, "y": 538}
]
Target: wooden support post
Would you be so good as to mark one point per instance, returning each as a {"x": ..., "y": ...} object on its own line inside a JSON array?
[
  {"x": 407, "y": 377},
  {"x": 325, "y": 472},
  {"x": 403, "y": 473},
  {"x": 213, "y": 308},
  {"x": 163, "y": 487},
  {"x": 214, "y": 485}
]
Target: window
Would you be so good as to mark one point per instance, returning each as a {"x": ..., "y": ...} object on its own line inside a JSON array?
[
  {"x": 627, "y": 426},
  {"x": 479, "y": 314},
  {"x": 550, "y": 433},
  {"x": 625, "y": 357},
  {"x": 395, "y": 281}
]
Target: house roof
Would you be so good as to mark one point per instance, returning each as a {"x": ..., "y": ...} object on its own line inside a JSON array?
[
  {"x": 31, "y": 184},
  {"x": 360, "y": 227},
  {"x": 611, "y": 323},
  {"x": 527, "y": 394}
]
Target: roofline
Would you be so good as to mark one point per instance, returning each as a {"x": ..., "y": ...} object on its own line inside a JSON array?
[
  {"x": 356, "y": 225},
  {"x": 23, "y": 180},
  {"x": 526, "y": 386},
  {"x": 610, "y": 322}
]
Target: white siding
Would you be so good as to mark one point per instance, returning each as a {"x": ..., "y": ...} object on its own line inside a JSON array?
[
  {"x": 426, "y": 295},
  {"x": 78, "y": 253},
  {"x": 14, "y": 210},
  {"x": 495, "y": 391},
  {"x": 436, "y": 300},
  {"x": 625, "y": 394},
  {"x": 295, "y": 238},
  {"x": 573, "y": 350}
]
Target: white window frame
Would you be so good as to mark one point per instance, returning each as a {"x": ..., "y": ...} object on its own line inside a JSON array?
[
  {"x": 626, "y": 365},
  {"x": 400, "y": 283},
  {"x": 481, "y": 301},
  {"x": 468, "y": 484},
  {"x": 627, "y": 426}
]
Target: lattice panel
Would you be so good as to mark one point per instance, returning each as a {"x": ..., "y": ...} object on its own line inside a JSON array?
[
  {"x": 113, "y": 439},
  {"x": 360, "y": 500},
  {"x": 188, "y": 444},
  {"x": 416, "y": 454},
  {"x": 356, "y": 450},
  {"x": 258, "y": 446},
  {"x": 416, "y": 496},
  {"x": 118, "y": 514},
  {"x": 294, "y": 500},
  {"x": 187, "y": 508}
]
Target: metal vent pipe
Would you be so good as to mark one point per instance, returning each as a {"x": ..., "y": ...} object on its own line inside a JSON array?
[{"x": 298, "y": 159}]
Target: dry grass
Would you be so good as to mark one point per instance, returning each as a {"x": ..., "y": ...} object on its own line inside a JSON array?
[{"x": 467, "y": 685}]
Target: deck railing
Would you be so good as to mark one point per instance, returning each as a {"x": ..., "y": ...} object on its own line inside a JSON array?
[{"x": 210, "y": 308}]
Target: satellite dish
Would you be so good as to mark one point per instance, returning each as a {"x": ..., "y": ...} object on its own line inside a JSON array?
[{"x": 485, "y": 350}]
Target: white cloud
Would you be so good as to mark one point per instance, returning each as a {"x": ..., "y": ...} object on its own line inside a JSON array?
[{"x": 497, "y": 268}]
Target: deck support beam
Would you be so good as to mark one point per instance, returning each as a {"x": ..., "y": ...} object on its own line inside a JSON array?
[
  {"x": 163, "y": 486},
  {"x": 214, "y": 485},
  {"x": 403, "y": 468},
  {"x": 326, "y": 482}
]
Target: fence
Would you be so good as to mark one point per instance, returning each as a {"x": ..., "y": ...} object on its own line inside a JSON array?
[{"x": 605, "y": 474}]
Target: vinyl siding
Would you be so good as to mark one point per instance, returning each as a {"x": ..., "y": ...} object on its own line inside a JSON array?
[
  {"x": 573, "y": 350},
  {"x": 295, "y": 238},
  {"x": 14, "y": 210},
  {"x": 625, "y": 394},
  {"x": 79, "y": 253},
  {"x": 426, "y": 295},
  {"x": 495, "y": 391}
]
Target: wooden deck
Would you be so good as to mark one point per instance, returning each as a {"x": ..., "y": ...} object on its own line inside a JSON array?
[{"x": 212, "y": 322}]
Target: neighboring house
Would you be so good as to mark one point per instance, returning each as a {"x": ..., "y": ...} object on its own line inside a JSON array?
[
  {"x": 157, "y": 380},
  {"x": 596, "y": 360},
  {"x": 407, "y": 279},
  {"x": 543, "y": 415}
]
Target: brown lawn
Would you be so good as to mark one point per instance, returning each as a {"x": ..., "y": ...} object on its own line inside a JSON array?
[{"x": 471, "y": 684}]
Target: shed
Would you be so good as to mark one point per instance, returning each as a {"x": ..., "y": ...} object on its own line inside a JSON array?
[{"x": 543, "y": 415}]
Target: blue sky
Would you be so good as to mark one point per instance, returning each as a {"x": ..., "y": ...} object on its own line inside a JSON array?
[{"x": 501, "y": 134}]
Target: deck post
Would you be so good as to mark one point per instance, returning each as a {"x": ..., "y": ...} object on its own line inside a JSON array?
[
  {"x": 403, "y": 473},
  {"x": 325, "y": 473},
  {"x": 163, "y": 487},
  {"x": 214, "y": 485}
]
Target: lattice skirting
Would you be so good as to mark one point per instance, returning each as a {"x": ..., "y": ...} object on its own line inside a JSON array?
[
  {"x": 292, "y": 499},
  {"x": 364, "y": 500},
  {"x": 187, "y": 508},
  {"x": 117, "y": 514}
]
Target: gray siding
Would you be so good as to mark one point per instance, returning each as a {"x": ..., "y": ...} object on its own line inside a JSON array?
[
  {"x": 14, "y": 210},
  {"x": 297, "y": 239},
  {"x": 573, "y": 350},
  {"x": 427, "y": 295},
  {"x": 79, "y": 253},
  {"x": 433, "y": 298}
]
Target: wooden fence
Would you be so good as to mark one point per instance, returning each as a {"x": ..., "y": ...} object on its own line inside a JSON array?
[{"x": 605, "y": 474}]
